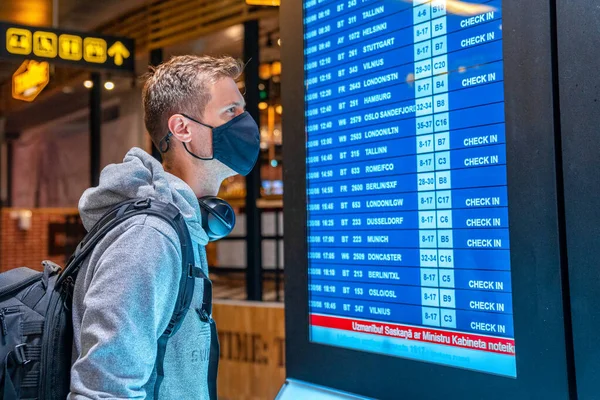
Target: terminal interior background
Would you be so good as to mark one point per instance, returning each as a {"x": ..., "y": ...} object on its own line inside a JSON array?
[{"x": 47, "y": 141}]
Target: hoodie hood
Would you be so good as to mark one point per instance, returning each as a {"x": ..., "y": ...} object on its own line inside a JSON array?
[{"x": 141, "y": 176}]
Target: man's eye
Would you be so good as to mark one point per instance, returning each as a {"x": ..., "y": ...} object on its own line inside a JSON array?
[{"x": 231, "y": 110}]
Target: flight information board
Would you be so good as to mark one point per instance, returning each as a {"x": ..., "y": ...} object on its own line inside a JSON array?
[{"x": 408, "y": 240}]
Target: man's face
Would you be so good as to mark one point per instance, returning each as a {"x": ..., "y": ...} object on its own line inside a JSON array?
[{"x": 226, "y": 103}]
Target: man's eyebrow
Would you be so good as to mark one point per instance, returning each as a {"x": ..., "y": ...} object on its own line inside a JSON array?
[{"x": 234, "y": 104}]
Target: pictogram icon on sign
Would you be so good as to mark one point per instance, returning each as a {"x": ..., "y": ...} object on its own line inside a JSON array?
[
  {"x": 45, "y": 44},
  {"x": 18, "y": 41},
  {"x": 119, "y": 52},
  {"x": 70, "y": 47},
  {"x": 30, "y": 79},
  {"x": 94, "y": 50}
]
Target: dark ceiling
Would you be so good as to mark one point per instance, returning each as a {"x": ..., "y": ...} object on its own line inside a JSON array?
[{"x": 72, "y": 14}]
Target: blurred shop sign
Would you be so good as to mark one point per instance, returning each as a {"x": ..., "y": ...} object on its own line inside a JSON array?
[
  {"x": 263, "y": 2},
  {"x": 30, "y": 79},
  {"x": 67, "y": 47}
]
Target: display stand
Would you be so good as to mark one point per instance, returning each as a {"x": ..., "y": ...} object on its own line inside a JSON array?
[{"x": 294, "y": 390}]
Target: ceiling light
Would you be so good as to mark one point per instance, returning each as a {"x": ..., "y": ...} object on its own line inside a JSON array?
[
  {"x": 235, "y": 32},
  {"x": 88, "y": 84},
  {"x": 109, "y": 85}
]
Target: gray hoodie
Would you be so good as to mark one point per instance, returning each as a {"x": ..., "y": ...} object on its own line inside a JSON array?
[{"x": 125, "y": 293}]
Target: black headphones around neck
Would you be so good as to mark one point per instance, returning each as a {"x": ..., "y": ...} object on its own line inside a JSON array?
[{"x": 218, "y": 217}]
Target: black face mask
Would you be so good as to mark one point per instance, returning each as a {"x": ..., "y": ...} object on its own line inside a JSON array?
[{"x": 235, "y": 143}]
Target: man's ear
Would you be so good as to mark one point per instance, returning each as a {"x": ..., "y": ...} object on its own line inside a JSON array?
[{"x": 179, "y": 127}]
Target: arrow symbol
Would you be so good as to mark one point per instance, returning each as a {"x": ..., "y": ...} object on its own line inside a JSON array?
[{"x": 119, "y": 52}]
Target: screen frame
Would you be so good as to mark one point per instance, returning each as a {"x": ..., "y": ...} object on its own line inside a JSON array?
[
  {"x": 536, "y": 248},
  {"x": 579, "y": 121}
]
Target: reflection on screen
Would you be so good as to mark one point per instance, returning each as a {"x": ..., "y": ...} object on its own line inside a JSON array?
[{"x": 406, "y": 180}]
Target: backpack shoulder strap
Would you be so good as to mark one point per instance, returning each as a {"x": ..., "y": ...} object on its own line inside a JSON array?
[{"x": 170, "y": 214}]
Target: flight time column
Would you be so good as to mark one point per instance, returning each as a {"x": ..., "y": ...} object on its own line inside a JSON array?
[
  {"x": 443, "y": 183},
  {"x": 428, "y": 260}
]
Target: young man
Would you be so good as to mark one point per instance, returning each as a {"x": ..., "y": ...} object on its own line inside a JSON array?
[{"x": 125, "y": 292}]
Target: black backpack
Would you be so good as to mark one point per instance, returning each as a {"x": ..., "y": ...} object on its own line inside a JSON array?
[{"x": 35, "y": 311}]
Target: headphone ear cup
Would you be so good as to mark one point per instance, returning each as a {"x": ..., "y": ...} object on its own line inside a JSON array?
[{"x": 218, "y": 217}]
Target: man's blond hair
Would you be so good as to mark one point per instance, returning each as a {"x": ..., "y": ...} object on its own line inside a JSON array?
[{"x": 182, "y": 85}]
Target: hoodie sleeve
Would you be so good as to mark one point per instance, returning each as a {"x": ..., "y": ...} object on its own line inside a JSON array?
[{"x": 127, "y": 307}]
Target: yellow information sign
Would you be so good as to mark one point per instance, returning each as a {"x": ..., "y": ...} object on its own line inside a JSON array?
[
  {"x": 45, "y": 44},
  {"x": 69, "y": 47},
  {"x": 30, "y": 79},
  {"x": 18, "y": 41},
  {"x": 94, "y": 50}
]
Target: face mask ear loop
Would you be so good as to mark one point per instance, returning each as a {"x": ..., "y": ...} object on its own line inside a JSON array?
[
  {"x": 212, "y": 141},
  {"x": 198, "y": 157},
  {"x": 165, "y": 143}
]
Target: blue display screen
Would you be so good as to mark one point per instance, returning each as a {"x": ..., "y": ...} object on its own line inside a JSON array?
[{"x": 407, "y": 229}]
